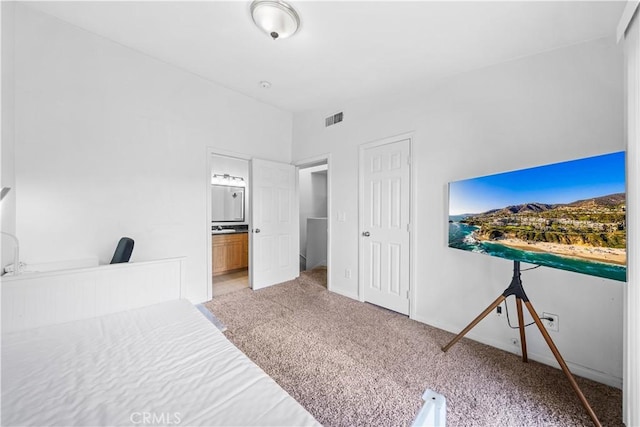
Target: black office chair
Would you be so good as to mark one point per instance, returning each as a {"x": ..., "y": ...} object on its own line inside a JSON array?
[{"x": 123, "y": 251}]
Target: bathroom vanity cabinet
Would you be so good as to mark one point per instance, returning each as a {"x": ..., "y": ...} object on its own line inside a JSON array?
[{"x": 229, "y": 252}]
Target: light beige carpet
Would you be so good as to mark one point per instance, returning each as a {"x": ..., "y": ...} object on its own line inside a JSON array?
[{"x": 355, "y": 364}]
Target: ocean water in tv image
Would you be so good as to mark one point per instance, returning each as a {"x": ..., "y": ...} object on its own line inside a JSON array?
[{"x": 461, "y": 237}]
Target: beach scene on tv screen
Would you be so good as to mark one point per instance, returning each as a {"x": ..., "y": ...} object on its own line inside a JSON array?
[{"x": 569, "y": 215}]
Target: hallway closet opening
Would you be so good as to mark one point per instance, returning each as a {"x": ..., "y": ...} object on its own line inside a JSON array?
[{"x": 313, "y": 199}]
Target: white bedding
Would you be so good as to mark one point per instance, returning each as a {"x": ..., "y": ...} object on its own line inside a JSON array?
[{"x": 159, "y": 365}]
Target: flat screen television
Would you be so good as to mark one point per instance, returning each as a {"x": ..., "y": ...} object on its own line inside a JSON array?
[{"x": 568, "y": 215}]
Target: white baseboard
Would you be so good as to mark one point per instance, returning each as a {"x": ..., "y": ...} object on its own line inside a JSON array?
[
  {"x": 348, "y": 294},
  {"x": 579, "y": 370}
]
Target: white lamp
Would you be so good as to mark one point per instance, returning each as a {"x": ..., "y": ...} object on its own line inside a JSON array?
[{"x": 276, "y": 18}]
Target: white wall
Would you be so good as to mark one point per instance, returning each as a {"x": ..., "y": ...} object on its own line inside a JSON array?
[
  {"x": 316, "y": 253},
  {"x": 7, "y": 151},
  {"x": 111, "y": 143},
  {"x": 555, "y": 106},
  {"x": 236, "y": 167}
]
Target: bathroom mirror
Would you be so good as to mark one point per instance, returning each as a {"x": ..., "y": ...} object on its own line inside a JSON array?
[{"x": 227, "y": 204}]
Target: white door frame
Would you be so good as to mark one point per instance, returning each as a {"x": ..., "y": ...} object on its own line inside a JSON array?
[
  {"x": 412, "y": 215},
  {"x": 629, "y": 27},
  {"x": 308, "y": 162},
  {"x": 212, "y": 151}
]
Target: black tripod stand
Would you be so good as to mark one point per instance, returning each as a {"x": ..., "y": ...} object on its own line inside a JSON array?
[{"x": 516, "y": 289}]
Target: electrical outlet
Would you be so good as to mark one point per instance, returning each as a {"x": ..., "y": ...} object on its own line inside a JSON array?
[
  {"x": 499, "y": 311},
  {"x": 347, "y": 273},
  {"x": 552, "y": 325}
]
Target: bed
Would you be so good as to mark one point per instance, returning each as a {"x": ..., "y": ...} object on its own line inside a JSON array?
[{"x": 160, "y": 364}]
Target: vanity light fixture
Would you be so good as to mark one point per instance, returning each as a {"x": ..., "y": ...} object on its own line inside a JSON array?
[
  {"x": 275, "y": 17},
  {"x": 228, "y": 180}
]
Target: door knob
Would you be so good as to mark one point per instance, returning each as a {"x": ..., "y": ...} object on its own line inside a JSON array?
[
  {"x": 366, "y": 234},
  {"x": 257, "y": 230}
]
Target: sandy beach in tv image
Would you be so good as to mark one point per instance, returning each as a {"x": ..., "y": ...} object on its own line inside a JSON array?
[{"x": 569, "y": 215}]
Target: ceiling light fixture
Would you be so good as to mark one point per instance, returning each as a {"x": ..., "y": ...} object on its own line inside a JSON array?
[{"x": 275, "y": 17}]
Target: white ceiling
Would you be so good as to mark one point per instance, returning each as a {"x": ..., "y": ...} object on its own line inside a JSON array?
[{"x": 344, "y": 49}]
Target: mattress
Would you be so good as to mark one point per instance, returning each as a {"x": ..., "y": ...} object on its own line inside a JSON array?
[{"x": 163, "y": 364}]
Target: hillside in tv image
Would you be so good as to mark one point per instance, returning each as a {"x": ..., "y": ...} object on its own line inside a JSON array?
[{"x": 569, "y": 215}]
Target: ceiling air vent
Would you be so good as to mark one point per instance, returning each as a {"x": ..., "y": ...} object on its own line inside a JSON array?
[{"x": 332, "y": 120}]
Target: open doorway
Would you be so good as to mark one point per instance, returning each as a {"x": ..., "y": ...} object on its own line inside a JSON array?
[
  {"x": 230, "y": 213},
  {"x": 313, "y": 190}
]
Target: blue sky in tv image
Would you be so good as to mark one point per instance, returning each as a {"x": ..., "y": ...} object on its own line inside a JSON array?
[
  {"x": 515, "y": 215},
  {"x": 556, "y": 183}
]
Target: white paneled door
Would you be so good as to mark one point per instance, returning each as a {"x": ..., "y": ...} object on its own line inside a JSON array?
[
  {"x": 274, "y": 222},
  {"x": 384, "y": 219}
]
